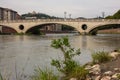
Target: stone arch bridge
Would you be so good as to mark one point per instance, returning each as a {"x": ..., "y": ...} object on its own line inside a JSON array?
[{"x": 76, "y": 23}]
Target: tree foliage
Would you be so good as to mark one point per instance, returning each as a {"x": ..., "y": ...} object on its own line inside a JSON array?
[
  {"x": 38, "y": 16},
  {"x": 115, "y": 16},
  {"x": 68, "y": 66}
]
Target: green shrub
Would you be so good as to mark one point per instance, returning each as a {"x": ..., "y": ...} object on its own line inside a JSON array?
[
  {"x": 80, "y": 73},
  {"x": 119, "y": 50},
  {"x": 44, "y": 75},
  {"x": 21, "y": 33},
  {"x": 101, "y": 57},
  {"x": 68, "y": 66},
  {"x": 118, "y": 76}
]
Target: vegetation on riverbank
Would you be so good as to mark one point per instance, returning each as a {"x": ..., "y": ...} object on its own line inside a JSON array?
[
  {"x": 1, "y": 77},
  {"x": 109, "y": 31},
  {"x": 100, "y": 57},
  {"x": 69, "y": 67},
  {"x": 44, "y": 75}
]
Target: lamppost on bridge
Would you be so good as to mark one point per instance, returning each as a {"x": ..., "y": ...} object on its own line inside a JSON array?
[
  {"x": 70, "y": 16},
  {"x": 103, "y": 15},
  {"x": 65, "y": 13}
]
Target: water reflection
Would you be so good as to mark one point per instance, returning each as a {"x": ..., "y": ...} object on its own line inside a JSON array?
[{"x": 84, "y": 42}]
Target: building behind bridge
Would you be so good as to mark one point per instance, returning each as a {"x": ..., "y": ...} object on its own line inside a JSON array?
[{"x": 8, "y": 14}]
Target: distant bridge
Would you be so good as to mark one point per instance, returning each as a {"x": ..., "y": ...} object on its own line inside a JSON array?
[{"x": 78, "y": 24}]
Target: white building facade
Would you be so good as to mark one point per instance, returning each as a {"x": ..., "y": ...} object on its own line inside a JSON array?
[{"x": 8, "y": 14}]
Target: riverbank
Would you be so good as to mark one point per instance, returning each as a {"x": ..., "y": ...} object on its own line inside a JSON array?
[
  {"x": 106, "y": 71},
  {"x": 109, "y": 31}
]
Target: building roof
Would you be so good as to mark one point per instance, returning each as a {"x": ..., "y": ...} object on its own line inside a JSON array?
[
  {"x": 8, "y": 9},
  {"x": 1, "y": 8}
]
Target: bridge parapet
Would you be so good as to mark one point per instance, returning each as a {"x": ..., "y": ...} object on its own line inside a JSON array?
[{"x": 61, "y": 20}]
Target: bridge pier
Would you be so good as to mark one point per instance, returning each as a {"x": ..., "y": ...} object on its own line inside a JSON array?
[
  {"x": 84, "y": 33},
  {"x": 0, "y": 29}
]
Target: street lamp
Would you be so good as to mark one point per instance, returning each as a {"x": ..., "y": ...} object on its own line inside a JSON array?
[
  {"x": 65, "y": 14},
  {"x": 70, "y": 16},
  {"x": 103, "y": 14}
]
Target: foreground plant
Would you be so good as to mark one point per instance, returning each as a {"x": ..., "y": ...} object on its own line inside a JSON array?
[
  {"x": 118, "y": 76},
  {"x": 1, "y": 78},
  {"x": 119, "y": 50},
  {"x": 44, "y": 75},
  {"x": 101, "y": 57},
  {"x": 4, "y": 77},
  {"x": 68, "y": 66},
  {"x": 80, "y": 73}
]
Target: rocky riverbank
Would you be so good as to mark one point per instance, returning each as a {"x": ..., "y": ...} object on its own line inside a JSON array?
[{"x": 106, "y": 71}]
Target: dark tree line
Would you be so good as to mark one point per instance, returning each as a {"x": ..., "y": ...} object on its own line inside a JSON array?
[{"x": 39, "y": 16}]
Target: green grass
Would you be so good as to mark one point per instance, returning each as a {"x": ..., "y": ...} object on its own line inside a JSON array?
[
  {"x": 44, "y": 75},
  {"x": 101, "y": 57},
  {"x": 118, "y": 76},
  {"x": 119, "y": 50},
  {"x": 1, "y": 78},
  {"x": 80, "y": 73}
]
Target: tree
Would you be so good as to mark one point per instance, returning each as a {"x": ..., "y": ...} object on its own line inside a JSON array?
[
  {"x": 115, "y": 16},
  {"x": 38, "y": 16},
  {"x": 68, "y": 66}
]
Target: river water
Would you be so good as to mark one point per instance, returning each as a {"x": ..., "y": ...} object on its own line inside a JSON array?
[{"x": 22, "y": 54}]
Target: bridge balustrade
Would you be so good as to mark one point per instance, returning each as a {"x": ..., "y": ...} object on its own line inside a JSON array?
[{"x": 61, "y": 20}]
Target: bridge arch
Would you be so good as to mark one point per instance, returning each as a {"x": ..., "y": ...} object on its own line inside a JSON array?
[
  {"x": 43, "y": 24},
  {"x": 96, "y": 28},
  {"x": 7, "y": 30}
]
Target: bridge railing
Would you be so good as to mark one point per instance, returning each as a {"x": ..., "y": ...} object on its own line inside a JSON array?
[{"x": 61, "y": 20}]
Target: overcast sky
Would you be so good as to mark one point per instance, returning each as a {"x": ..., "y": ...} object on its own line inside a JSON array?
[{"x": 78, "y": 8}]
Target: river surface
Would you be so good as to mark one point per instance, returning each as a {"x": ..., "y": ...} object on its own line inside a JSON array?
[{"x": 22, "y": 54}]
